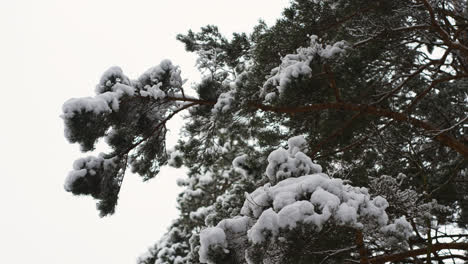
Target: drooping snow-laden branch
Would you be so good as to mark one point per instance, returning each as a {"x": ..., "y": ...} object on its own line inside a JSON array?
[
  {"x": 301, "y": 200},
  {"x": 134, "y": 129}
]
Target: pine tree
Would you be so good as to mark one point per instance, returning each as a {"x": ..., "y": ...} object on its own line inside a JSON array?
[{"x": 373, "y": 91}]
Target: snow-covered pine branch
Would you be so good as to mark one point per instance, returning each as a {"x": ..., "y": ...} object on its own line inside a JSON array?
[
  {"x": 298, "y": 65},
  {"x": 130, "y": 115},
  {"x": 303, "y": 201}
]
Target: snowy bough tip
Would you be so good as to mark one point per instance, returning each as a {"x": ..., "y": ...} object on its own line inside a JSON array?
[
  {"x": 297, "y": 66},
  {"x": 299, "y": 198},
  {"x": 130, "y": 116}
]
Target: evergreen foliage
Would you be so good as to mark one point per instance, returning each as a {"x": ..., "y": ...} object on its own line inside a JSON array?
[{"x": 376, "y": 92}]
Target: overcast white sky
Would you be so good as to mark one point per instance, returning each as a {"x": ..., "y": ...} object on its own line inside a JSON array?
[{"x": 51, "y": 51}]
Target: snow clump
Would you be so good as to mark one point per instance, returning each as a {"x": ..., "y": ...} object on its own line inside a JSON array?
[
  {"x": 296, "y": 66},
  {"x": 224, "y": 103},
  {"x": 212, "y": 239},
  {"x": 91, "y": 167},
  {"x": 293, "y": 162},
  {"x": 302, "y": 196}
]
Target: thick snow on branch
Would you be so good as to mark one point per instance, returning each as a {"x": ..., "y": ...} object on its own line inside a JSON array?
[
  {"x": 106, "y": 102},
  {"x": 224, "y": 103},
  {"x": 160, "y": 72},
  {"x": 293, "y": 162},
  {"x": 153, "y": 91},
  {"x": 89, "y": 167},
  {"x": 303, "y": 196},
  {"x": 296, "y": 66},
  {"x": 86, "y": 119},
  {"x": 169, "y": 244},
  {"x": 151, "y": 82},
  {"x": 113, "y": 85},
  {"x": 214, "y": 239},
  {"x": 109, "y": 78},
  {"x": 287, "y": 204}
]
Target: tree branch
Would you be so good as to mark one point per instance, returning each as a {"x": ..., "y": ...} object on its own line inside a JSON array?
[
  {"x": 362, "y": 249},
  {"x": 417, "y": 252},
  {"x": 443, "y": 138},
  {"x": 156, "y": 128},
  {"x": 331, "y": 79},
  {"x": 443, "y": 34}
]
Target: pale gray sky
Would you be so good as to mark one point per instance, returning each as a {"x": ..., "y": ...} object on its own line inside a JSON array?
[{"x": 51, "y": 51}]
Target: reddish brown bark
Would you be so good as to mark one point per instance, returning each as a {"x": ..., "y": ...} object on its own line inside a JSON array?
[
  {"x": 443, "y": 138},
  {"x": 362, "y": 249},
  {"x": 417, "y": 252}
]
